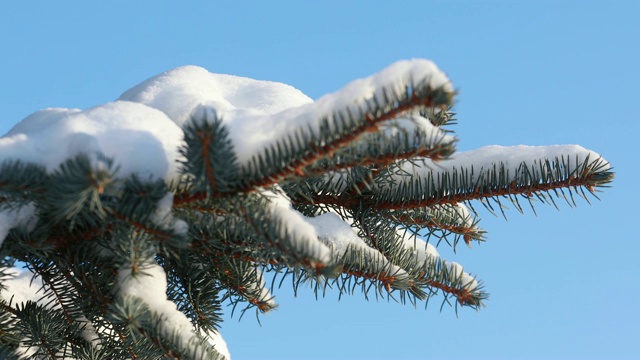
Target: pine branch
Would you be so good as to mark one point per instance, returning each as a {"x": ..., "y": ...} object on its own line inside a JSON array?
[
  {"x": 61, "y": 294},
  {"x": 194, "y": 290},
  {"x": 56, "y": 338},
  {"x": 338, "y": 130},
  {"x": 446, "y": 219},
  {"x": 464, "y": 185},
  {"x": 248, "y": 281},
  {"x": 337, "y": 195},
  {"x": 76, "y": 190},
  {"x": 378, "y": 150},
  {"x": 20, "y": 182},
  {"x": 496, "y": 182},
  {"x": 438, "y": 116},
  {"x": 208, "y": 157},
  {"x": 236, "y": 270}
]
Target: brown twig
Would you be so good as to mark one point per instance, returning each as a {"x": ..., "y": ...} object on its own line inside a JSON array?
[{"x": 351, "y": 201}]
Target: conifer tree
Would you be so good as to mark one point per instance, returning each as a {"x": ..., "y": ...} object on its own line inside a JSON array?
[{"x": 139, "y": 218}]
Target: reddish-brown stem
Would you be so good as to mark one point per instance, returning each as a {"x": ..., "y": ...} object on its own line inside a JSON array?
[
  {"x": 386, "y": 280},
  {"x": 161, "y": 235},
  {"x": 206, "y": 141},
  {"x": 168, "y": 352},
  {"x": 185, "y": 198},
  {"x": 464, "y": 296},
  {"x": 513, "y": 189},
  {"x": 434, "y": 153},
  {"x": 468, "y": 233},
  {"x": 317, "y": 266},
  {"x": 369, "y": 125},
  {"x": 47, "y": 280}
]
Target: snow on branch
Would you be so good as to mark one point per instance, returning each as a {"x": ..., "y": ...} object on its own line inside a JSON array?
[
  {"x": 217, "y": 180},
  {"x": 446, "y": 219},
  {"x": 295, "y": 227},
  {"x": 355, "y": 255},
  {"x": 496, "y": 172},
  {"x": 149, "y": 284},
  {"x": 257, "y": 113},
  {"x": 142, "y": 140},
  {"x": 322, "y": 129},
  {"x": 23, "y": 216}
]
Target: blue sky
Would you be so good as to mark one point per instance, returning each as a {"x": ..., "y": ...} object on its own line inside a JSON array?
[{"x": 563, "y": 285}]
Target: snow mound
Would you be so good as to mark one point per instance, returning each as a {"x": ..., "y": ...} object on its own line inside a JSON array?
[
  {"x": 259, "y": 113},
  {"x": 142, "y": 130},
  {"x": 141, "y": 139},
  {"x": 179, "y": 91}
]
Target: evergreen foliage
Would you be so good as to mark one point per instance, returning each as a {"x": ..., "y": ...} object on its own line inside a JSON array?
[{"x": 96, "y": 231}]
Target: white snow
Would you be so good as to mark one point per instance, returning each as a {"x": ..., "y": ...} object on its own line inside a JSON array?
[
  {"x": 150, "y": 285},
  {"x": 22, "y": 287},
  {"x": 142, "y": 140},
  {"x": 340, "y": 236},
  {"x": 297, "y": 226},
  {"x": 513, "y": 156},
  {"x": 421, "y": 249},
  {"x": 425, "y": 251},
  {"x": 179, "y": 91},
  {"x": 214, "y": 338},
  {"x": 163, "y": 216},
  {"x": 394, "y": 78},
  {"x": 258, "y": 113},
  {"x": 484, "y": 159},
  {"x": 334, "y": 231},
  {"x": 466, "y": 280},
  {"x": 412, "y": 122},
  {"x": 23, "y": 216},
  {"x": 143, "y": 132}
]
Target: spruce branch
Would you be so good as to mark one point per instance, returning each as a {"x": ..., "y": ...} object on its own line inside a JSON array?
[
  {"x": 194, "y": 290},
  {"x": 54, "y": 338},
  {"x": 438, "y": 116},
  {"x": 269, "y": 224},
  {"x": 417, "y": 285},
  {"x": 443, "y": 219},
  {"x": 350, "y": 195},
  {"x": 338, "y": 130},
  {"x": 208, "y": 156},
  {"x": 77, "y": 188},
  {"x": 60, "y": 293},
  {"x": 247, "y": 280},
  {"x": 450, "y": 278},
  {"x": 20, "y": 182},
  {"x": 378, "y": 150},
  {"x": 236, "y": 271},
  {"x": 432, "y": 272},
  {"x": 542, "y": 179}
]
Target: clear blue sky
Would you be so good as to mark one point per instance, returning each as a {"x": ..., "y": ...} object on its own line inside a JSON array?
[{"x": 564, "y": 285}]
